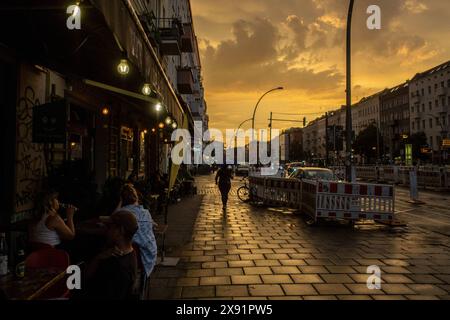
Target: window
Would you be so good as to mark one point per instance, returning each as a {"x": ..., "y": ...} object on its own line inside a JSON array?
[
  {"x": 418, "y": 125},
  {"x": 429, "y": 89},
  {"x": 431, "y": 142},
  {"x": 412, "y": 109},
  {"x": 448, "y": 83},
  {"x": 423, "y": 125},
  {"x": 423, "y": 91},
  {"x": 431, "y": 123},
  {"x": 430, "y": 105},
  {"x": 435, "y": 86},
  {"x": 423, "y": 107},
  {"x": 443, "y": 101},
  {"x": 413, "y": 125},
  {"x": 436, "y": 103},
  {"x": 442, "y": 84}
]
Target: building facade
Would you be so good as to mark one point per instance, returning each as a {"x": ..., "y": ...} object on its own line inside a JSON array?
[
  {"x": 291, "y": 145},
  {"x": 395, "y": 120},
  {"x": 429, "y": 94},
  {"x": 76, "y": 117},
  {"x": 366, "y": 112}
]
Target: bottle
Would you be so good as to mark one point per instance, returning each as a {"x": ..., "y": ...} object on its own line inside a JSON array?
[
  {"x": 20, "y": 264},
  {"x": 3, "y": 255}
]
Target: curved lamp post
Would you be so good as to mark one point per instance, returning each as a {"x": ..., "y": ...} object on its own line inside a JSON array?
[
  {"x": 257, "y": 104},
  {"x": 254, "y": 113}
]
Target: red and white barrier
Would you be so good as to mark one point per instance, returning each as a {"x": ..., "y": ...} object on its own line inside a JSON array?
[
  {"x": 324, "y": 199},
  {"x": 355, "y": 201}
]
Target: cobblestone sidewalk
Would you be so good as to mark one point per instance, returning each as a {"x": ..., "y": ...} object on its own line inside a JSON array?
[{"x": 263, "y": 253}]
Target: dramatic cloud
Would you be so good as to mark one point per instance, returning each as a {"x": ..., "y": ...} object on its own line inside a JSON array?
[{"x": 248, "y": 47}]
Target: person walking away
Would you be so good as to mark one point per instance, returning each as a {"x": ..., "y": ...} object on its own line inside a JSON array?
[{"x": 223, "y": 180}]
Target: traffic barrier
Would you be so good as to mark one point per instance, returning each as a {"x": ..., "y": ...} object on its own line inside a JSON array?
[
  {"x": 353, "y": 201},
  {"x": 323, "y": 199},
  {"x": 431, "y": 178},
  {"x": 388, "y": 174},
  {"x": 367, "y": 173}
]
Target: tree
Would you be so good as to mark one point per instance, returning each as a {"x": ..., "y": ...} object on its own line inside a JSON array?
[{"x": 366, "y": 143}]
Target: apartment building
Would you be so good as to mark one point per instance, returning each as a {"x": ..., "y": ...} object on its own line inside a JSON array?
[
  {"x": 170, "y": 26},
  {"x": 429, "y": 94},
  {"x": 366, "y": 112},
  {"x": 395, "y": 119}
]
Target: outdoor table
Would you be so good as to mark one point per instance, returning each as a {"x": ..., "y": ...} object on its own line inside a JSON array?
[{"x": 35, "y": 283}]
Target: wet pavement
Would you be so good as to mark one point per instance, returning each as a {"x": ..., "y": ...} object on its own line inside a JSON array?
[{"x": 252, "y": 252}]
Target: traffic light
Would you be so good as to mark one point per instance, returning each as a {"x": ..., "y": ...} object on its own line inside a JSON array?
[{"x": 304, "y": 121}]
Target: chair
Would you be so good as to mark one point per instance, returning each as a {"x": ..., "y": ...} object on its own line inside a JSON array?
[
  {"x": 50, "y": 258},
  {"x": 35, "y": 246}
]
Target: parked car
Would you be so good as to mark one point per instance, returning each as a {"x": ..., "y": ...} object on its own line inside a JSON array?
[
  {"x": 291, "y": 167},
  {"x": 311, "y": 173},
  {"x": 242, "y": 170}
]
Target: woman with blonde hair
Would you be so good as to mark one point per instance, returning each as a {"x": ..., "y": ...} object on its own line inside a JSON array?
[{"x": 47, "y": 227}]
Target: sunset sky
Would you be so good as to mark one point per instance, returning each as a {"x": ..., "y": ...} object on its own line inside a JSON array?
[{"x": 250, "y": 46}]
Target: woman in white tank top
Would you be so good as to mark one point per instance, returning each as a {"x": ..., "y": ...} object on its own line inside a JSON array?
[{"x": 48, "y": 227}]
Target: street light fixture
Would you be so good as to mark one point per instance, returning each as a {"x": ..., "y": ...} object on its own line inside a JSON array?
[
  {"x": 158, "y": 107},
  {"x": 123, "y": 68},
  {"x": 254, "y": 114},
  {"x": 168, "y": 120},
  {"x": 257, "y": 104},
  {"x": 146, "y": 89}
]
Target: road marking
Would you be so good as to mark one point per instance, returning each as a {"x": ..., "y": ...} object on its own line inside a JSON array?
[{"x": 426, "y": 218}]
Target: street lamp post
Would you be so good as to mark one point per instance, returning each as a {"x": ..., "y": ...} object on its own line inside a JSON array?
[
  {"x": 348, "y": 122},
  {"x": 254, "y": 114},
  {"x": 236, "y": 135}
]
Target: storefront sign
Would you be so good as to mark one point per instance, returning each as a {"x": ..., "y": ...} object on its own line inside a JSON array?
[{"x": 49, "y": 122}]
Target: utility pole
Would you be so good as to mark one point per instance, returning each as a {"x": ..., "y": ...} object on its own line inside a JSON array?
[
  {"x": 348, "y": 122},
  {"x": 270, "y": 128},
  {"x": 327, "y": 139}
]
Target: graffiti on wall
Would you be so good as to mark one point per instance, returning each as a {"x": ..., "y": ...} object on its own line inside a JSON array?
[{"x": 30, "y": 160}]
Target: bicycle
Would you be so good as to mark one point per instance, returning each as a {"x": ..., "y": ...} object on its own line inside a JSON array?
[{"x": 243, "y": 192}]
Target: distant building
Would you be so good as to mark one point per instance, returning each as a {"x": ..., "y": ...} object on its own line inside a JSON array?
[
  {"x": 395, "y": 120},
  {"x": 429, "y": 94},
  {"x": 366, "y": 112},
  {"x": 291, "y": 145}
]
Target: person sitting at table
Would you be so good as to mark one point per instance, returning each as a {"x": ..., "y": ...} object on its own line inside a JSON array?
[
  {"x": 112, "y": 274},
  {"x": 47, "y": 227},
  {"x": 144, "y": 237}
]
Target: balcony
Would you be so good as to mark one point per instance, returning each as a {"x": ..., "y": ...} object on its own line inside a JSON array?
[
  {"x": 187, "y": 40},
  {"x": 170, "y": 33},
  {"x": 185, "y": 81}
]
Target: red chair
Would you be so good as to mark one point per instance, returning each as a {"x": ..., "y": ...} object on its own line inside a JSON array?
[
  {"x": 50, "y": 258},
  {"x": 34, "y": 246}
]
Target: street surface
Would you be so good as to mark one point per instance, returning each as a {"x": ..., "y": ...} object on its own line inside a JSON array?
[{"x": 271, "y": 253}]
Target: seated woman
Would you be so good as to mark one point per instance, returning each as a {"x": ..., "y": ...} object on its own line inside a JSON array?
[
  {"x": 144, "y": 237},
  {"x": 47, "y": 227}
]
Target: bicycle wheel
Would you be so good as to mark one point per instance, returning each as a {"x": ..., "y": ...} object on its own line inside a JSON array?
[{"x": 243, "y": 194}]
